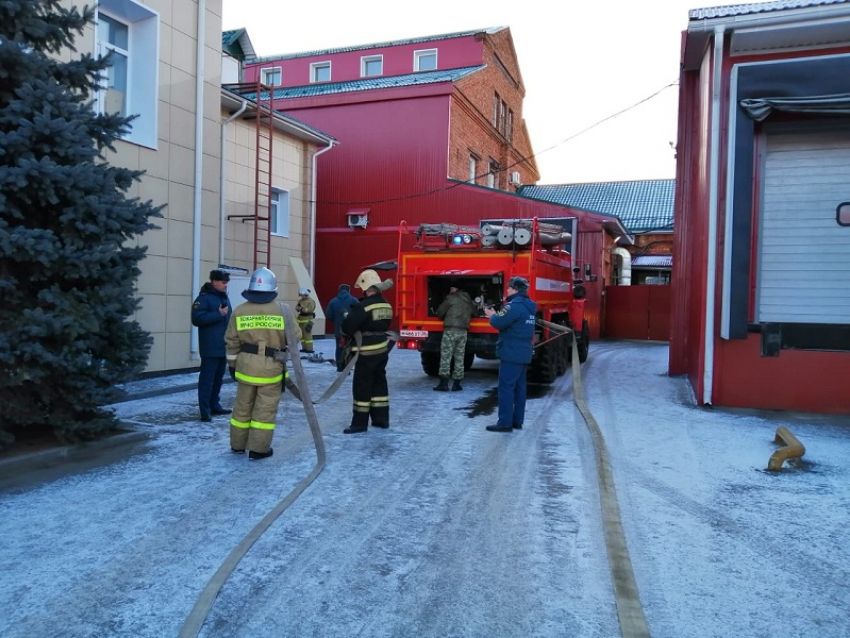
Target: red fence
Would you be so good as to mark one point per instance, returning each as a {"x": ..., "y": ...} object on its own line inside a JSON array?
[{"x": 637, "y": 312}]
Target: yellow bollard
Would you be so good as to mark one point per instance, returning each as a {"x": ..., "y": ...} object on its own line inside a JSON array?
[{"x": 793, "y": 448}]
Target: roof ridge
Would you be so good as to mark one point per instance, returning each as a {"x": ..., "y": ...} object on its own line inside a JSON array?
[{"x": 375, "y": 45}]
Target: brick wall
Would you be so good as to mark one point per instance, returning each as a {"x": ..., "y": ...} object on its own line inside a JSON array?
[{"x": 472, "y": 128}]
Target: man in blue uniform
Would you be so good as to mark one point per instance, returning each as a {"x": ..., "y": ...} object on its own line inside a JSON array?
[
  {"x": 515, "y": 323},
  {"x": 210, "y": 313},
  {"x": 337, "y": 311}
]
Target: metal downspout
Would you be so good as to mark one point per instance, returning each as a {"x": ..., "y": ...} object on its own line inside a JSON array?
[
  {"x": 222, "y": 180},
  {"x": 713, "y": 203},
  {"x": 313, "y": 211},
  {"x": 199, "y": 166}
]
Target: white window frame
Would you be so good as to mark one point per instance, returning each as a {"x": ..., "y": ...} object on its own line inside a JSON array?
[
  {"x": 271, "y": 70},
  {"x": 473, "y": 168},
  {"x": 418, "y": 56},
  {"x": 142, "y": 96},
  {"x": 316, "y": 67},
  {"x": 492, "y": 169},
  {"x": 364, "y": 63},
  {"x": 278, "y": 217}
]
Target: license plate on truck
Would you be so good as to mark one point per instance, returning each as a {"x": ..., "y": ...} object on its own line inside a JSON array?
[{"x": 414, "y": 334}]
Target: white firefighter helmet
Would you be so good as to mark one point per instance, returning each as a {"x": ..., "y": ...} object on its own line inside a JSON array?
[
  {"x": 366, "y": 279},
  {"x": 304, "y": 292},
  {"x": 263, "y": 280}
]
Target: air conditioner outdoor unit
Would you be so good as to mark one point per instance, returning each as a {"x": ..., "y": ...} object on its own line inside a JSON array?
[
  {"x": 358, "y": 220},
  {"x": 514, "y": 178}
]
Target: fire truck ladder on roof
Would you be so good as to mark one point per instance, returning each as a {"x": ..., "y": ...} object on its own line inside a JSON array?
[{"x": 263, "y": 117}]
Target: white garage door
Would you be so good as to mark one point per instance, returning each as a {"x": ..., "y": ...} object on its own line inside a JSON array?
[{"x": 803, "y": 253}]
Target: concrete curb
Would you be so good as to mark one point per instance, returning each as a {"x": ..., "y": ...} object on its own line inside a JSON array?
[{"x": 18, "y": 465}]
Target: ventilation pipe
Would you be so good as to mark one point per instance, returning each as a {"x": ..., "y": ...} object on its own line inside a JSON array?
[
  {"x": 625, "y": 267},
  {"x": 313, "y": 210},
  {"x": 713, "y": 204},
  {"x": 200, "y": 29}
]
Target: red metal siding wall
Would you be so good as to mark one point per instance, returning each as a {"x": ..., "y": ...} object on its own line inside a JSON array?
[
  {"x": 687, "y": 332},
  {"x": 799, "y": 380},
  {"x": 638, "y": 312}
]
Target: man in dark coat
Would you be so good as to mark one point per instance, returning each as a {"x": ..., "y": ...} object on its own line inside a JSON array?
[
  {"x": 515, "y": 323},
  {"x": 337, "y": 310},
  {"x": 210, "y": 313},
  {"x": 371, "y": 317}
]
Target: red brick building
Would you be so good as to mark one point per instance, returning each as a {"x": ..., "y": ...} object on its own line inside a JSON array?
[{"x": 430, "y": 130}]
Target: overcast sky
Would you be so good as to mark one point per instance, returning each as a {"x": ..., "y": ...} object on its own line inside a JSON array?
[{"x": 581, "y": 62}]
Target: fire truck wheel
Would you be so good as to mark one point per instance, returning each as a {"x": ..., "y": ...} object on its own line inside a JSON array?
[
  {"x": 431, "y": 363},
  {"x": 543, "y": 365},
  {"x": 584, "y": 342},
  {"x": 562, "y": 355}
]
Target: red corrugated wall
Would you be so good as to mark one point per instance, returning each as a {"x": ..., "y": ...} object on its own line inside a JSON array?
[{"x": 687, "y": 329}]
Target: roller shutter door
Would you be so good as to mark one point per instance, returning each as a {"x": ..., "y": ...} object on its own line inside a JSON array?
[{"x": 803, "y": 254}]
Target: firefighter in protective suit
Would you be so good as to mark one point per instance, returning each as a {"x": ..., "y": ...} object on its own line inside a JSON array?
[
  {"x": 371, "y": 317},
  {"x": 254, "y": 343},
  {"x": 306, "y": 309}
]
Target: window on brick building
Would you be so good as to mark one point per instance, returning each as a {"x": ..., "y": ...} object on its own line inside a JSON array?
[
  {"x": 320, "y": 72},
  {"x": 425, "y": 60},
  {"x": 503, "y": 117},
  {"x": 493, "y": 173},
  {"x": 496, "y": 105},
  {"x": 473, "y": 168},
  {"x": 509, "y": 126},
  {"x": 371, "y": 65}
]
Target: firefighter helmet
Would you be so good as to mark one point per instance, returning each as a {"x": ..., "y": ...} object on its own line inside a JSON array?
[
  {"x": 366, "y": 279},
  {"x": 263, "y": 280}
]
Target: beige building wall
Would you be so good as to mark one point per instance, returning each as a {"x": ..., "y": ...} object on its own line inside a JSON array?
[
  {"x": 166, "y": 286},
  {"x": 292, "y": 172}
]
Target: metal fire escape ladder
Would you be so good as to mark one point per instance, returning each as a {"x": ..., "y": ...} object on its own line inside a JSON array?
[{"x": 263, "y": 159}]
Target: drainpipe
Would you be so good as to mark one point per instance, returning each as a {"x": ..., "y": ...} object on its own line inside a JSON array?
[
  {"x": 713, "y": 203},
  {"x": 199, "y": 166},
  {"x": 313, "y": 212},
  {"x": 222, "y": 179}
]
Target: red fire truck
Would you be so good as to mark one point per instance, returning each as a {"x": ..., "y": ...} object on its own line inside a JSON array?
[{"x": 483, "y": 260}]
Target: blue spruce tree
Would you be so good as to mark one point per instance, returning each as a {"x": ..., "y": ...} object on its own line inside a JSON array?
[{"x": 68, "y": 259}]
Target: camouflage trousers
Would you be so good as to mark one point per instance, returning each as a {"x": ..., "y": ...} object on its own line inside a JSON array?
[{"x": 452, "y": 345}]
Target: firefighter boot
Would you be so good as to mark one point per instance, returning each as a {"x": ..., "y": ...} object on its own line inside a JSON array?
[
  {"x": 443, "y": 386},
  {"x": 456, "y": 386}
]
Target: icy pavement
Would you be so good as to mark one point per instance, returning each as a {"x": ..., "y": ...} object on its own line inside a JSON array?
[{"x": 438, "y": 528}]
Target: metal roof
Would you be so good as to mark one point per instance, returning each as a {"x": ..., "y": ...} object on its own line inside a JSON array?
[
  {"x": 237, "y": 43},
  {"x": 643, "y": 206},
  {"x": 652, "y": 261},
  {"x": 232, "y": 100},
  {"x": 366, "y": 84},
  {"x": 376, "y": 45},
  {"x": 750, "y": 8}
]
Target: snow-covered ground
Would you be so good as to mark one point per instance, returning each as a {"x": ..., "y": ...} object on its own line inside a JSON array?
[{"x": 436, "y": 527}]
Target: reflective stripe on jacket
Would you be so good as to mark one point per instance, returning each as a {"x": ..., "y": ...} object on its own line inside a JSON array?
[
  {"x": 261, "y": 325},
  {"x": 372, "y": 317}
]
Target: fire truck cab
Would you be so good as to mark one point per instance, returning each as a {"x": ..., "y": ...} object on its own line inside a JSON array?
[{"x": 483, "y": 260}]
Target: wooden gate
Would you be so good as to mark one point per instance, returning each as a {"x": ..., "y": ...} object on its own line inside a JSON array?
[{"x": 637, "y": 312}]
